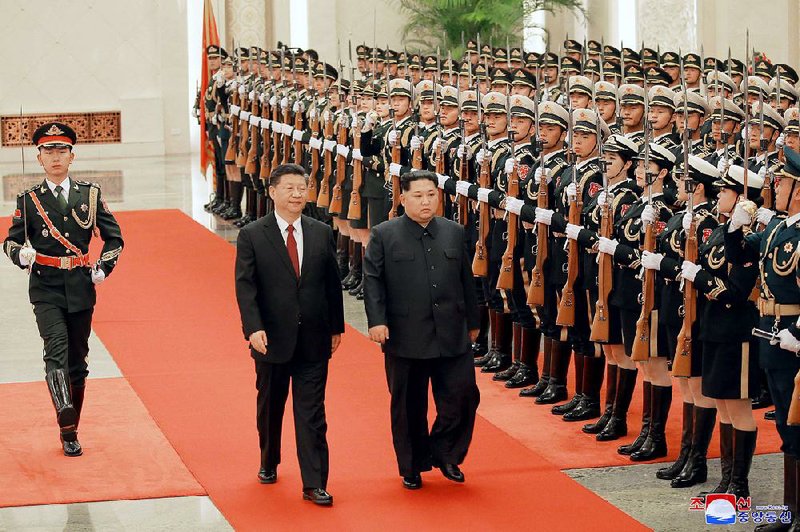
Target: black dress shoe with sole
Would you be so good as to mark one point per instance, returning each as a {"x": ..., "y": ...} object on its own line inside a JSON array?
[
  {"x": 413, "y": 482},
  {"x": 72, "y": 448},
  {"x": 770, "y": 415},
  {"x": 318, "y": 496},
  {"x": 267, "y": 476},
  {"x": 452, "y": 472}
]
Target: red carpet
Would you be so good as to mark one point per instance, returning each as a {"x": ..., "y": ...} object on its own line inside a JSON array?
[
  {"x": 168, "y": 315},
  {"x": 127, "y": 456}
]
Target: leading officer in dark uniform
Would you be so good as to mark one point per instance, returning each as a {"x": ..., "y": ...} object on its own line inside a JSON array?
[
  {"x": 421, "y": 306},
  {"x": 50, "y": 233}
]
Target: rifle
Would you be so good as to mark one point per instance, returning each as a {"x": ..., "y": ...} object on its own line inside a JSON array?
[
  {"x": 252, "y": 153},
  {"x": 354, "y": 208},
  {"x": 324, "y": 196},
  {"x": 266, "y": 163},
  {"x": 506, "y": 279},
  {"x": 682, "y": 365},
  {"x": 600, "y": 331},
  {"x": 298, "y": 126},
  {"x": 287, "y": 140},
  {"x": 244, "y": 129},
  {"x": 480, "y": 263},
  {"x": 439, "y": 132},
  {"x": 463, "y": 170},
  {"x": 276, "y": 139},
  {"x": 341, "y": 160},
  {"x": 233, "y": 143},
  {"x": 641, "y": 340},
  {"x": 566, "y": 307},
  {"x": 536, "y": 289}
]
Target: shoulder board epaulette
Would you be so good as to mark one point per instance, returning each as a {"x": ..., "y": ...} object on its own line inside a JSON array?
[
  {"x": 85, "y": 183},
  {"x": 27, "y": 191}
]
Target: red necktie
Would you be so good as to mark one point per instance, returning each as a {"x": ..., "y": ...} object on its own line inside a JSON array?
[{"x": 291, "y": 247}]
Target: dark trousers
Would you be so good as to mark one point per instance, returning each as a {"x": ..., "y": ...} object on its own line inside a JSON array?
[
  {"x": 308, "y": 380},
  {"x": 456, "y": 396},
  {"x": 66, "y": 339},
  {"x": 781, "y": 386}
]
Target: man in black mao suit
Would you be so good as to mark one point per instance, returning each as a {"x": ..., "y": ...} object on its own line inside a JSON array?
[
  {"x": 421, "y": 305},
  {"x": 290, "y": 301}
]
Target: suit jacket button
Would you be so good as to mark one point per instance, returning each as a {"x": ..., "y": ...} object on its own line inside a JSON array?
[
  {"x": 65, "y": 218},
  {"x": 66, "y": 235}
]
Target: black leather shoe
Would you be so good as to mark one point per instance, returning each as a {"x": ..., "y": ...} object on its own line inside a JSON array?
[
  {"x": 225, "y": 205},
  {"x": 360, "y": 294},
  {"x": 497, "y": 363},
  {"x": 587, "y": 408},
  {"x": 234, "y": 213},
  {"x": 414, "y": 482},
  {"x": 598, "y": 426},
  {"x": 482, "y": 361},
  {"x": 479, "y": 350},
  {"x": 213, "y": 204},
  {"x": 318, "y": 496},
  {"x": 560, "y": 410},
  {"x": 770, "y": 415},
  {"x": 452, "y": 472},
  {"x": 267, "y": 476},
  {"x": 72, "y": 448},
  {"x": 506, "y": 374},
  {"x": 762, "y": 401},
  {"x": 356, "y": 289},
  {"x": 525, "y": 376},
  {"x": 537, "y": 389},
  {"x": 616, "y": 428},
  {"x": 554, "y": 393}
]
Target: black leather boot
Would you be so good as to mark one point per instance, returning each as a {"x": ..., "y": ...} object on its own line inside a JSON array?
[
  {"x": 214, "y": 203},
  {"x": 725, "y": 458},
  {"x": 505, "y": 335},
  {"x": 516, "y": 348},
  {"x": 66, "y": 414},
  {"x": 744, "y": 445},
  {"x": 528, "y": 372},
  {"x": 589, "y": 405},
  {"x": 611, "y": 392},
  {"x": 352, "y": 280},
  {"x": 646, "y": 411},
  {"x": 763, "y": 399},
  {"x": 235, "y": 210},
  {"x": 655, "y": 446},
  {"x": 343, "y": 255},
  {"x": 481, "y": 345},
  {"x": 560, "y": 410},
  {"x": 547, "y": 358},
  {"x": 687, "y": 424},
  {"x": 695, "y": 471},
  {"x": 495, "y": 323},
  {"x": 360, "y": 294},
  {"x": 556, "y": 390},
  {"x": 617, "y": 425}
]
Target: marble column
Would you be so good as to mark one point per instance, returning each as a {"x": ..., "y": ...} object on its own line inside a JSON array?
[
  {"x": 246, "y": 22},
  {"x": 672, "y": 24}
]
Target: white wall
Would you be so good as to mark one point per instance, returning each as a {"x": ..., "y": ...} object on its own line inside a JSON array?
[{"x": 100, "y": 55}]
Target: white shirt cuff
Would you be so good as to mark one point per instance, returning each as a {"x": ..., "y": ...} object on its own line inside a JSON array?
[{"x": 483, "y": 194}]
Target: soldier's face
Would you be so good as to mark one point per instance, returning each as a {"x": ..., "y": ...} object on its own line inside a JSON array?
[
  {"x": 755, "y": 135},
  {"x": 551, "y": 135},
  {"x": 585, "y": 143},
  {"x": 382, "y": 107},
  {"x": 550, "y": 74},
  {"x": 320, "y": 85},
  {"x": 673, "y": 71},
  {"x": 228, "y": 71},
  {"x": 611, "y": 78},
  {"x": 213, "y": 63},
  {"x": 366, "y": 102},
  {"x": 692, "y": 75},
  {"x": 502, "y": 88},
  {"x": 607, "y": 109},
  {"x": 726, "y": 200},
  {"x": 784, "y": 197},
  {"x": 448, "y": 115},
  {"x": 470, "y": 121},
  {"x": 290, "y": 195},
  {"x": 416, "y": 75},
  {"x": 730, "y": 126},
  {"x": 522, "y": 128},
  {"x": 428, "y": 74},
  {"x": 660, "y": 117},
  {"x": 496, "y": 124},
  {"x": 792, "y": 140},
  {"x": 400, "y": 104},
  {"x": 55, "y": 161},
  {"x": 463, "y": 82},
  {"x": 420, "y": 200},
  {"x": 521, "y": 89},
  {"x": 616, "y": 166},
  {"x": 632, "y": 115},
  {"x": 653, "y": 171},
  {"x": 695, "y": 119},
  {"x": 426, "y": 111}
]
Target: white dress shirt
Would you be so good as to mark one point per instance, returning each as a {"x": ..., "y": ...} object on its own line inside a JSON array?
[
  {"x": 283, "y": 225},
  {"x": 65, "y": 185}
]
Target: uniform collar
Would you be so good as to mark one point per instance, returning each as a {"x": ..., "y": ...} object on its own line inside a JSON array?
[
  {"x": 417, "y": 230},
  {"x": 65, "y": 185},
  {"x": 790, "y": 221}
]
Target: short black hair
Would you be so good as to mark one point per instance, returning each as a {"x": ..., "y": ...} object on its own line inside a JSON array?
[
  {"x": 312, "y": 54},
  {"x": 416, "y": 175},
  {"x": 286, "y": 169}
]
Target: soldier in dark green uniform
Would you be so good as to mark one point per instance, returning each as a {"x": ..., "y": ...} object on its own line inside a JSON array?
[{"x": 49, "y": 235}]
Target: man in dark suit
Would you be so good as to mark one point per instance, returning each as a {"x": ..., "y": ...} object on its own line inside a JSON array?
[
  {"x": 290, "y": 301},
  {"x": 421, "y": 305}
]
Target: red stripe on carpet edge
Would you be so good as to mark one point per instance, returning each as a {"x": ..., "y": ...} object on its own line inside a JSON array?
[{"x": 185, "y": 357}]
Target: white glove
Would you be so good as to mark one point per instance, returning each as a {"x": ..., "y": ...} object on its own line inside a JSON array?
[
  {"x": 514, "y": 205},
  {"x": 394, "y": 169},
  {"x": 234, "y": 84},
  {"x": 686, "y": 221},
  {"x": 572, "y": 191},
  {"x": 537, "y": 176},
  {"x": 312, "y": 113},
  {"x": 284, "y": 103},
  {"x": 652, "y": 261},
  {"x": 416, "y": 142},
  {"x": 242, "y": 90},
  {"x": 357, "y": 155},
  {"x": 764, "y": 215},
  {"x": 648, "y": 215},
  {"x": 27, "y": 255},
  {"x": 273, "y": 100},
  {"x": 315, "y": 143},
  {"x": 762, "y": 173},
  {"x": 251, "y": 95},
  {"x": 442, "y": 179},
  {"x": 245, "y": 115},
  {"x": 543, "y": 216},
  {"x": 276, "y": 127},
  {"x": 435, "y": 145},
  {"x": 214, "y": 119},
  {"x": 780, "y": 141},
  {"x": 739, "y": 218},
  {"x": 483, "y": 194},
  {"x": 510, "y": 164},
  {"x": 601, "y": 199},
  {"x": 297, "y": 135},
  {"x": 255, "y": 120},
  {"x": 265, "y": 123},
  {"x": 297, "y": 107},
  {"x": 329, "y": 145},
  {"x": 606, "y": 245},
  {"x": 262, "y": 98},
  {"x": 480, "y": 156},
  {"x": 98, "y": 275},
  {"x": 370, "y": 121},
  {"x": 462, "y": 188},
  {"x": 287, "y": 130},
  {"x": 235, "y": 109},
  {"x": 689, "y": 270},
  {"x": 721, "y": 166},
  {"x": 463, "y": 148},
  {"x": 392, "y": 137},
  {"x": 573, "y": 230},
  {"x": 787, "y": 341},
  {"x": 342, "y": 150}
]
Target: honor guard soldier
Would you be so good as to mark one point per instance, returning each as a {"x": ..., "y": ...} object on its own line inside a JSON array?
[
  {"x": 662, "y": 109},
  {"x": 605, "y": 101},
  {"x": 50, "y": 233},
  {"x": 692, "y": 71},
  {"x": 551, "y": 83},
  {"x": 631, "y": 103}
]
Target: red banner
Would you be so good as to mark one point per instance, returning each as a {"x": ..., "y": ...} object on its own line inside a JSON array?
[{"x": 210, "y": 36}]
